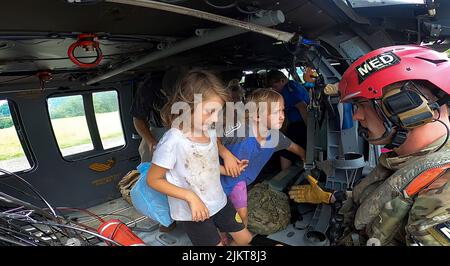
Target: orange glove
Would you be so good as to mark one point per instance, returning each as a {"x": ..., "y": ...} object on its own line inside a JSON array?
[{"x": 310, "y": 193}]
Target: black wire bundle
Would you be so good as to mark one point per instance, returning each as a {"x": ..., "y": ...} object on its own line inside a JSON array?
[{"x": 25, "y": 224}]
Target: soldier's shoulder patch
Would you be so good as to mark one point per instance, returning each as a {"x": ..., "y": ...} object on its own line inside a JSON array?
[{"x": 426, "y": 179}]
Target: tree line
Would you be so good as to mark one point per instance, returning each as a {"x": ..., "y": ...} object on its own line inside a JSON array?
[{"x": 68, "y": 106}]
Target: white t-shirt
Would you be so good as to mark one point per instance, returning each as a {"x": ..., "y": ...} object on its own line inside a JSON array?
[{"x": 193, "y": 166}]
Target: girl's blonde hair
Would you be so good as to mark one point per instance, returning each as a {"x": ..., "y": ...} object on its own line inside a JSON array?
[{"x": 194, "y": 82}]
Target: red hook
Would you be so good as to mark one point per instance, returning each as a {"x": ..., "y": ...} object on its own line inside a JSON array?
[
  {"x": 44, "y": 77},
  {"x": 89, "y": 42}
]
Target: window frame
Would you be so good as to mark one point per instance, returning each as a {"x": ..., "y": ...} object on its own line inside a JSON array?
[
  {"x": 22, "y": 136},
  {"x": 91, "y": 121}
]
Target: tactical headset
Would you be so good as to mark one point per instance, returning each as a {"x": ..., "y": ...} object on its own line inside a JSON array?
[{"x": 406, "y": 107}]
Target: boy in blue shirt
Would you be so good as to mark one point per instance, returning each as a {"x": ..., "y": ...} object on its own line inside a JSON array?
[
  {"x": 296, "y": 100},
  {"x": 256, "y": 144}
]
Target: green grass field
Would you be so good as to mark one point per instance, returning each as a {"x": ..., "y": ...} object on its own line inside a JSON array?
[{"x": 69, "y": 132}]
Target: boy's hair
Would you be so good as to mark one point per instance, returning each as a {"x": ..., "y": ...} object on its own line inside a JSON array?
[
  {"x": 234, "y": 85},
  {"x": 274, "y": 76},
  {"x": 233, "y": 82},
  {"x": 264, "y": 95},
  {"x": 194, "y": 82}
]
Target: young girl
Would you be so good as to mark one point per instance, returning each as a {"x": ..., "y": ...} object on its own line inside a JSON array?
[
  {"x": 185, "y": 164},
  {"x": 257, "y": 144}
]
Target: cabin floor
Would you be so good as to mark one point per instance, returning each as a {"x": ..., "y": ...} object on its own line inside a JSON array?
[
  {"x": 148, "y": 229},
  {"x": 144, "y": 227}
]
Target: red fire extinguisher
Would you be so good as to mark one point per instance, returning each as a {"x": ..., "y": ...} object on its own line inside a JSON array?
[{"x": 116, "y": 230}]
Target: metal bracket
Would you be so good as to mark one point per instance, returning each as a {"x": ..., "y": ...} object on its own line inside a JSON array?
[{"x": 435, "y": 30}]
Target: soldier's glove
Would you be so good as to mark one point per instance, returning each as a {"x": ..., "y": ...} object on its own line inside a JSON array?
[{"x": 310, "y": 193}]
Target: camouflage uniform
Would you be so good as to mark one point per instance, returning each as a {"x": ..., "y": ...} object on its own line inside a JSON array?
[{"x": 384, "y": 212}]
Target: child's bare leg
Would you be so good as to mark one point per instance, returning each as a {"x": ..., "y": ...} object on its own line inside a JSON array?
[
  {"x": 224, "y": 238},
  {"x": 241, "y": 238},
  {"x": 239, "y": 199},
  {"x": 243, "y": 212}
]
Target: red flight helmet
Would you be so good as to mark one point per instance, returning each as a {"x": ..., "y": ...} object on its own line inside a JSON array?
[{"x": 370, "y": 74}]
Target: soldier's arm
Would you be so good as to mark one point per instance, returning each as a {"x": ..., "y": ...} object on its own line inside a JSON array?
[
  {"x": 143, "y": 130},
  {"x": 302, "y": 108}
]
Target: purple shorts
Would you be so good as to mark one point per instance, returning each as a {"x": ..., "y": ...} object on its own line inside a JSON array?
[{"x": 238, "y": 195}]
